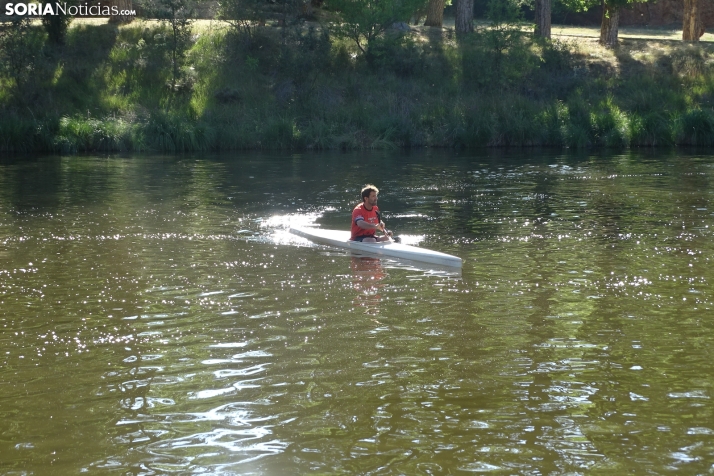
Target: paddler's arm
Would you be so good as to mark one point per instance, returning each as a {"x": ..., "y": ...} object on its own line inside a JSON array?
[{"x": 368, "y": 226}]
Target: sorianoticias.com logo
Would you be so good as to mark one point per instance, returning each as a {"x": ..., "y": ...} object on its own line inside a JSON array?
[{"x": 23, "y": 9}]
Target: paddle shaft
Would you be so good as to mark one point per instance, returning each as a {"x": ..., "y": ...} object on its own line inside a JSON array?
[{"x": 384, "y": 229}]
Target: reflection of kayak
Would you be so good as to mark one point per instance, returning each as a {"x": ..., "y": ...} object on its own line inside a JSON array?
[{"x": 341, "y": 239}]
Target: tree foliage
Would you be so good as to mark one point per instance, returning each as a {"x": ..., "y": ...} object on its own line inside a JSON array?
[
  {"x": 177, "y": 15},
  {"x": 20, "y": 44},
  {"x": 363, "y": 21},
  {"x": 245, "y": 15},
  {"x": 506, "y": 19}
]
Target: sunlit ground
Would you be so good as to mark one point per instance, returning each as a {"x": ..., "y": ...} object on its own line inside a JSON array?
[{"x": 627, "y": 31}]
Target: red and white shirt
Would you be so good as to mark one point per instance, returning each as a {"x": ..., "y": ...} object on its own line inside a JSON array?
[{"x": 360, "y": 212}]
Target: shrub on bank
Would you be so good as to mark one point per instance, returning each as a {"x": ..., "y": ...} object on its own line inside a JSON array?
[{"x": 299, "y": 88}]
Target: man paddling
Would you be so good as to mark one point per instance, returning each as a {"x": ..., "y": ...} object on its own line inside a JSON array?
[{"x": 366, "y": 219}]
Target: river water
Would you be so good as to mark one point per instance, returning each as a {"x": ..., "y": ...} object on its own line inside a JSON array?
[{"x": 156, "y": 317}]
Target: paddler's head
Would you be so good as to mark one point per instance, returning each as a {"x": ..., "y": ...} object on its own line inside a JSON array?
[{"x": 369, "y": 195}]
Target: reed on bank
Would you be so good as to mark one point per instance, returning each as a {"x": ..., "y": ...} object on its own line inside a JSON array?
[{"x": 110, "y": 89}]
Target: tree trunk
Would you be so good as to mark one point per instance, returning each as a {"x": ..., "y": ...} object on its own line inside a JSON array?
[
  {"x": 435, "y": 13},
  {"x": 120, "y": 6},
  {"x": 464, "y": 16},
  {"x": 610, "y": 25},
  {"x": 56, "y": 28},
  {"x": 542, "y": 18},
  {"x": 692, "y": 27}
]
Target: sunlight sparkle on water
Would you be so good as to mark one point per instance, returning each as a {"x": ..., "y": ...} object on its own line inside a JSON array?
[
  {"x": 280, "y": 226},
  {"x": 201, "y": 337}
]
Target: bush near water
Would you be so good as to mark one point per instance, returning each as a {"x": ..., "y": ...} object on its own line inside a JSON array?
[{"x": 115, "y": 88}]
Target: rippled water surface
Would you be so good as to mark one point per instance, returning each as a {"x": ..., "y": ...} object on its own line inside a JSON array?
[{"x": 156, "y": 317}]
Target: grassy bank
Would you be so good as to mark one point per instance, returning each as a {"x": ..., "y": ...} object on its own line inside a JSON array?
[{"x": 110, "y": 89}]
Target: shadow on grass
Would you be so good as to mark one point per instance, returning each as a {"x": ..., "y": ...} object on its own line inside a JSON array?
[{"x": 77, "y": 82}]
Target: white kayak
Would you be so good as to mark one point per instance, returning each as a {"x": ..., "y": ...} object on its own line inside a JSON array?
[{"x": 341, "y": 239}]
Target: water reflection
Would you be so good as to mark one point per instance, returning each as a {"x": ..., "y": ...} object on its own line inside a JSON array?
[{"x": 367, "y": 274}]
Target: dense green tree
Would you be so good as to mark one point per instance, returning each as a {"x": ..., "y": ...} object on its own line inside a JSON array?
[
  {"x": 363, "y": 21},
  {"x": 244, "y": 15},
  {"x": 506, "y": 21},
  {"x": 178, "y": 16},
  {"x": 20, "y": 45}
]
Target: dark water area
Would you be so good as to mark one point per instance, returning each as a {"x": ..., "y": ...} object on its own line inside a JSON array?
[{"x": 156, "y": 316}]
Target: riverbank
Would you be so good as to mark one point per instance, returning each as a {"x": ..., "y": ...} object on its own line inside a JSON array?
[{"x": 111, "y": 89}]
